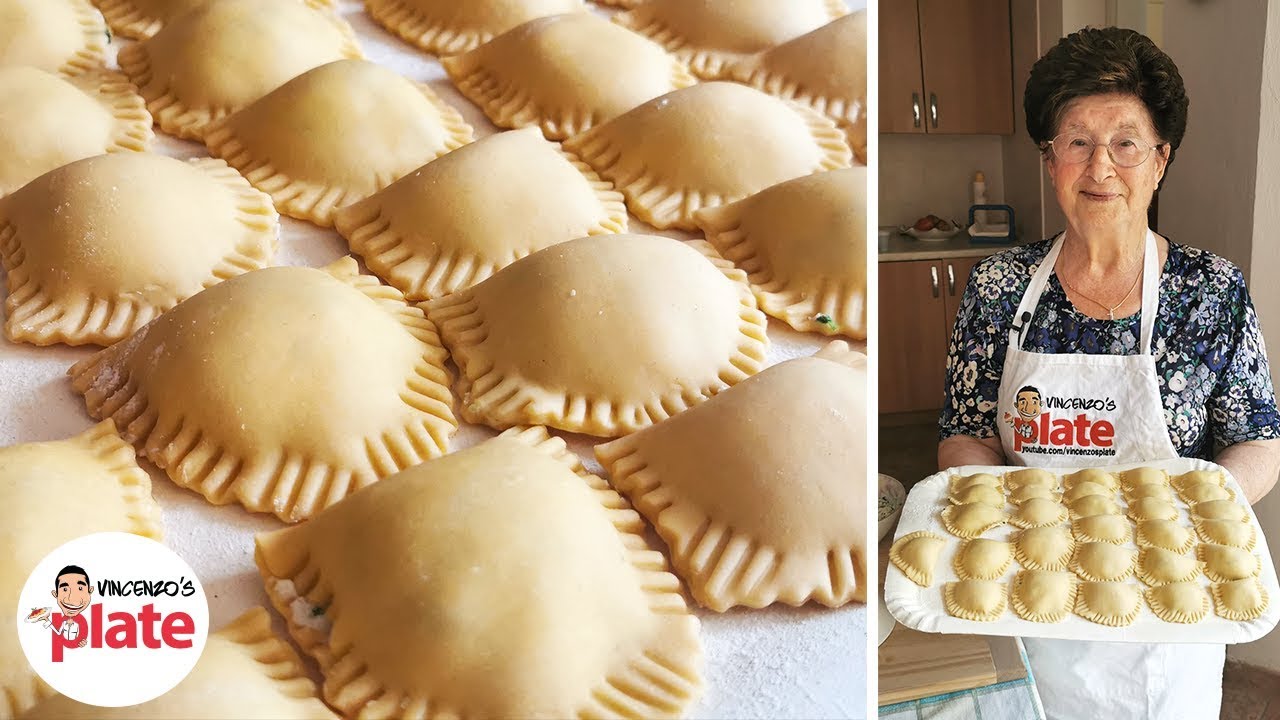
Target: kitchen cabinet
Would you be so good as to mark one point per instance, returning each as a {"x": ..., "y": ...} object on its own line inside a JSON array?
[
  {"x": 919, "y": 300},
  {"x": 946, "y": 67}
]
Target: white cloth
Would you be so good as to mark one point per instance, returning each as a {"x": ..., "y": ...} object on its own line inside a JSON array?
[{"x": 1101, "y": 410}]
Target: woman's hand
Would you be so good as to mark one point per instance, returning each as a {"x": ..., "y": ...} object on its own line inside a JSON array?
[
  {"x": 968, "y": 450},
  {"x": 1254, "y": 463}
]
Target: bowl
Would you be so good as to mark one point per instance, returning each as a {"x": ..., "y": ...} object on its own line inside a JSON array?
[{"x": 893, "y": 496}]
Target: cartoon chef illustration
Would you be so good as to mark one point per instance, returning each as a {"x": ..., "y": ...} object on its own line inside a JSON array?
[
  {"x": 73, "y": 592},
  {"x": 1028, "y": 406}
]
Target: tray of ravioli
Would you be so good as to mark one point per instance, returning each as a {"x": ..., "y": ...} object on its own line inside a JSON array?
[{"x": 1154, "y": 552}]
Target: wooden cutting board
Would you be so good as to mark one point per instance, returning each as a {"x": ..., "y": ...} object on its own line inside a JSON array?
[{"x": 915, "y": 664}]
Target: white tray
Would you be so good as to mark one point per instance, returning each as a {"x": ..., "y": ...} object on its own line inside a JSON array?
[{"x": 922, "y": 608}]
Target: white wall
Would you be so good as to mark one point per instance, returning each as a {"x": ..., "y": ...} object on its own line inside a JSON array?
[{"x": 923, "y": 174}]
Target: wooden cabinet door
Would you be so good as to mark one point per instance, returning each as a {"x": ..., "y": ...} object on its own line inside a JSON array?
[
  {"x": 967, "y": 64},
  {"x": 913, "y": 340},
  {"x": 901, "y": 82},
  {"x": 955, "y": 277}
]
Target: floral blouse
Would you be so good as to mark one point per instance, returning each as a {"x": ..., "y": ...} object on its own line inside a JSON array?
[{"x": 1211, "y": 364}]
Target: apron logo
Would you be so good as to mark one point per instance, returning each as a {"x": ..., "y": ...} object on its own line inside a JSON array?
[
  {"x": 128, "y": 619},
  {"x": 1036, "y": 431}
]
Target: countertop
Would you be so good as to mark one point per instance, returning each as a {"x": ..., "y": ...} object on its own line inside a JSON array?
[{"x": 901, "y": 248}]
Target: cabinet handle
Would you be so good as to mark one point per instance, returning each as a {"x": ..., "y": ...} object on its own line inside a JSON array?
[
  {"x": 933, "y": 273},
  {"x": 915, "y": 108},
  {"x": 933, "y": 110},
  {"x": 951, "y": 280}
]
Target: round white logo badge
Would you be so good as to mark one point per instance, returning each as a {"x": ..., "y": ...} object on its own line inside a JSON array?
[{"x": 112, "y": 619}]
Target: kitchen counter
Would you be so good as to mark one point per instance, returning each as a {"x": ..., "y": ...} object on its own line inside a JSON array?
[{"x": 901, "y": 248}]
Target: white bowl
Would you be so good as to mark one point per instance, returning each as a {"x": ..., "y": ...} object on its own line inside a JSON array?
[{"x": 892, "y": 490}]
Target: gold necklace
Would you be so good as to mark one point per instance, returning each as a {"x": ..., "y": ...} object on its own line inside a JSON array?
[{"x": 1111, "y": 311}]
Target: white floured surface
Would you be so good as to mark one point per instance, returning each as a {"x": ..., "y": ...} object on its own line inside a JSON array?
[
  {"x": 778, "y": 662},
  {"x": 923, "y": 609}
]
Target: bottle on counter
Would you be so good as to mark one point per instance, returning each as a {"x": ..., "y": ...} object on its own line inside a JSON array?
[{"x": 979, "y": 198}]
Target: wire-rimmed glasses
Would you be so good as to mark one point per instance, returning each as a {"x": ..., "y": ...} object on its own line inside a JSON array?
[{"x": 1125, "y": 151}]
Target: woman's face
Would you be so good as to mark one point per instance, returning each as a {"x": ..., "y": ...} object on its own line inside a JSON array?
[{"x": 1097, "y": 195}]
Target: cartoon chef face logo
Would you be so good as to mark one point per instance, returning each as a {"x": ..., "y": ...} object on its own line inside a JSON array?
[
  {"x": 1028, "y": 402},
  {"x": 72, "y": 590}
]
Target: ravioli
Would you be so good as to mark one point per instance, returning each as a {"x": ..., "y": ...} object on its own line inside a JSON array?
[
  {"x": 99, "y": 247},
  {"x": 1044, "y": 548},
  {"x": 1109, "y": 603},
  {"x": 916, "y": 555},
  {"x": 960, "y": 482},
  {"x": 1220, "y": 510},
  {"x": 358, "y": 388},
  {"x": 98, "y": 487},
  {"x": 334, "y": 135},
  {"x": 66, "y": 36},
  {"x": 666, "y": 164},
  {"x": 446, "y": 27},
  {"x": 140, "y": 19},
  {"x": 1240, "y": 600},
  {"x": 1113, "y": 529},
  {"x": 1150, "y": 508},
  {"x": 1091, "y": 505},
  {"x": 47, "y": 121},
  {"x": 1093, "y": 475},
  {"x": 1157, "y": 566},
  {"x": 1204, "y": 492},
  {"x": 1036, "y": 477},
  {"x": 1167, "y": 534},
  {"x": 462, "y": 217},
  {"x": 752, "y": 522},
  {"x": 1021, "y": 494},
  {"x": 564, "y": 74},
  {"x": 978, "y": 600},
  {"x": 1084, "y": 489},
  {"x": 1144, "y": 476},
  {"x": 981, "y": 559},
  {"x": 1043, "y": 596},
  {"x": 268, "y": 678},
  {"x": 222, "y": 56},
  {"x": 1223, "y": 563},
  {"x": 1161, "y": 493},
  {"x": 601, "y": 335},
  {"x": 452, "y": 537},
  {"x": 1038, "y": 512},
  {"x": 984, "y": 494},
  {"x": 1103, "y": 562},
  {"x": 803, "y": 246},
  {"x": 971, "y": 520},
  {"x": 1181, "y": 602},
  {"x": 711, "y": 36},
  {"x": 825, "y": 68},
  {"x": 1198, "y": 477},
  {"x": 1226, "y": 532}
]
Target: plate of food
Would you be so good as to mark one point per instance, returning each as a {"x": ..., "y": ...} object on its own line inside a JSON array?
[{"x": 932, "y": 227}]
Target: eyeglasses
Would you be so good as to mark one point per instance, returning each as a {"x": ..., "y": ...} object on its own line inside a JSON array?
[{"x": 1125, "y": 152}]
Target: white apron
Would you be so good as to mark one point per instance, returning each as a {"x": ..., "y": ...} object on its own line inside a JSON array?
[{"x": 1089, "y": 410}]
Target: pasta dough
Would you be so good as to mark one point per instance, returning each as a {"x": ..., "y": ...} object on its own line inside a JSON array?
[
  {"x": 978, "y": 600},
  {"x": 1113, "y": 529},
  {"x": 245, "y": 670},
  {"x": 916, "y": 554},
  {"x": 1038, "y": 512},
  {"x": 663, "y": 160},
  {"x": 99, "y": 247},
  {"x": 1205, "y": 492},
  {"x": 564, "y": 74},
  {"x": 1223, "y": 563},
  {"x": 1226, "y": 532},
  {"x": 446, "y": 27},
  {"x": 1240, "y": 600},
  {"x": 1220, "y": 510},
  {"x": 960, "y": 482},
  {"x": 1103, "y": 562},
  {"x": 1150, "y": 508},
  {"x": 1091, "y": 505},
  {"x": 47, "y": 121},
  {"x": 222, "y": 56},
  {"x": 710, "y": 36},
  {"x": 1143, "y": 476},
  {"x": 140, "y": 19},
  {"x": 751, "y": 521},
  {"x": 1031, "y": 476},
  {"x": 803, "y": 246},
  {"x": 1161, "y": 493},
  {"x": 972, "y": 519},
  {"x": 358, "y": 388},
  {"x": 1182, "y": 602},
  {"x": 1043, "y": 596},
  {"x": 1157, "y": 566},
  {"x": 1109, "y": 603},
  {"x": 1167, "y": 534},
  {"x": 601, "y": 335},
  {"x": 65, "y": 36},
  {"x": 984, "y": 494},
  {"x": 1045, "y": 548},
  {"x": 1197, "y": 477},
  {"x": 336, "y": 134},
  {"x": 1093, "y": 475},
  {"x": 451, "y": 538},
  {"x": 981, "y": 559},
  {"x": 1084, "y": 489},
  {"x": 98, "y": 487},
  {"x": 1024, "y": 493},
  {"x": 462, "y": 217}
]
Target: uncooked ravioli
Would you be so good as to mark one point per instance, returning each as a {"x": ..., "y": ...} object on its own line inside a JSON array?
[
  {"x": 1223, "y": 563},
  {"x": 1240, "y": 600},
  {"x": 1090, "y": 505},
  {"x": 662, "y": 158},
  {"x": 984, "y": 494},
  {"x": 1205, "y": 492},
  {"x": 1113, "y": 529},
  {"x": 1093, "y": 475},
  {"x": 1044, "y": 548},
  {"x": 973, "y": 519},
  {"x": 1227, "y": 532},
  {"x": 1113, "y": 604},
  {"x": 1038, "y": 512},
  {"x": 1220, "y": 510},
  {"x": 1037, "y": 477},
  {"x": 222, "y": 56},
  {"x": 1023, "y": 493},
  {"x": 1043, "y": 595},
  {"x": 564, "y": 74},
  {"x": 1144, "y": 476},
  {"x": 1157, "y": 566},
  {"x": 916, "y": 554},
  {"x": 1167, "y": 534},
  {"x": 601, "y": 335},
  {"x": 979, "y": 600},
  {"x": 140, "y": 19},
  {"x": 960, "y": 482},
  {"x": 358, "y": 388},
  {"x": 803, "y": 246},
  {"x": 334, "y": 135},
  {"x": 1151, "y": 508},
  {"x": 452, "y": 538},
  {"x": 1182, "y": 602},
  {"x": 445, "y": 27},
  {"x": 1196, "y": 477},
  {"x": 66, "y": 36},
  {"x": 1103, "y": 562},
  {"x": 983, "y": 559},
  {"x": 1084, "y": 488},
  {"x": 753, "y": 520}
]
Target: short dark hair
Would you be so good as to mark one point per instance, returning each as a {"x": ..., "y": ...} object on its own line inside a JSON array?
[
  {"x": 1027, "y": 388},
  {"x": 70, "y": 570},
  {"x": 1097, "y": 61}
]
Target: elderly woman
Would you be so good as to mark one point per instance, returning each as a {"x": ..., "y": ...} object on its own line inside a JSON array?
[{"x": 1110, "y": 344}]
